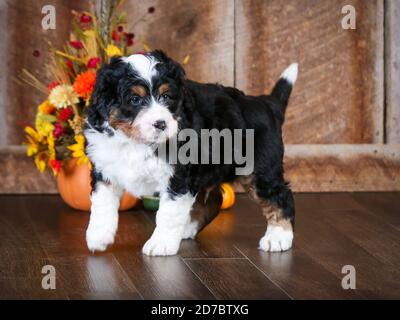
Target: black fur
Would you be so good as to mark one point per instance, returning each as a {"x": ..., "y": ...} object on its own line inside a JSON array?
[{"x": 207, "y": 106}]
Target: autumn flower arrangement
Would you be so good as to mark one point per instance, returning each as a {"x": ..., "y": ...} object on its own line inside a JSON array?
[{"x": 56, "y": 135}]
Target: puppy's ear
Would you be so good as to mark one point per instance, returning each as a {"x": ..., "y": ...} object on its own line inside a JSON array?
[
  {"x": 105, "y": 93},
  {"x": 171, "y": 67}
]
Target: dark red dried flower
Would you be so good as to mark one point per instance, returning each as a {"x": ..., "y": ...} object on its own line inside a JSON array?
[
  {"x": 130, "y": 42},
  {"x": 76, "y": 44},
  {"x": 120, "y": 28},
  {"x": 85, "y": 18},
  {"x": 93, "y": 62},
  {"x": 58, "y": 130},
  {"x": 151, "y": 10},
  {"x": 64, "y": 114},
  {"x": 116, "y": 36},
  {"x": 36, "y": 53}
]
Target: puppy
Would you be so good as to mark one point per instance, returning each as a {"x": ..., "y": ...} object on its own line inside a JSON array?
[{"x": 144, "y": 101}]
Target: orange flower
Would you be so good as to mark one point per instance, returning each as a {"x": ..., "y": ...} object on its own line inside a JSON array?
[{"x": 84, "y": 83}]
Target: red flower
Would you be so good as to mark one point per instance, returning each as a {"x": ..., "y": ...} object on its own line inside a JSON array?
[
  {"x": 120, "y": 28},
  {"x": 76, "y": 44},
  {"x": 151, "y": 10},
  {"x": 130, "y": 42},
  {"x": 64, "y": 114},
  {"x": 69, "y": 64},
  {"x": 115, "y": 36},
  {"x": 36, "y": 53},
  {"x": 93, "y": 62},
  {"x": 130, "y": 35},
  {"x": 58, "y": 130},
  {"x": 52, "y": 85},
  {"x": 56, "y": 165},
  {"x": 85, "y": 18}
]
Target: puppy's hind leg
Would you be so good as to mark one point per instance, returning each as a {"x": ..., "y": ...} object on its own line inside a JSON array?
[
  {"x": 277, "y": 205},
  {"x": 205, "y": 209}
]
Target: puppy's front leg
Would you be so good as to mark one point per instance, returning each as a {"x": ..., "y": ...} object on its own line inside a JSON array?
[
  {"x": 172, "y": 217},
  {"x": 103, "y": 222}
]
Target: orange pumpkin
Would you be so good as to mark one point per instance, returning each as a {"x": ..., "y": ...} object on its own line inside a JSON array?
[
  {"x": 228, "y": 196},
  {"x": 73, "y": 183}
]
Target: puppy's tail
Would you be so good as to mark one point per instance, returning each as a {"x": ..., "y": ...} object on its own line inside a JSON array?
[{"x": 284, "y": 86}]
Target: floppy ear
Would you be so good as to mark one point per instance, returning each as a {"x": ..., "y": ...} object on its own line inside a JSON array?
[
  {"x": 172, "y": 68},
  {"x": 105, "y": 93}
]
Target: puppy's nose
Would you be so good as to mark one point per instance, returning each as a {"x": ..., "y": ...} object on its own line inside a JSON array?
[{"x": 160, "y": 124}]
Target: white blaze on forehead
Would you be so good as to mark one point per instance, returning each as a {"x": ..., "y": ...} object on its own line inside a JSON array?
[{"x": 143, "y": 65}]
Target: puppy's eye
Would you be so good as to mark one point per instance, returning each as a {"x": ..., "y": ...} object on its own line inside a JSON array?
[
  {"x": 135, "y": 100},
  {"x": 166, "y": 96}
]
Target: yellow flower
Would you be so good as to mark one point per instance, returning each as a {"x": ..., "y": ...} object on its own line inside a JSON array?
[
  {"x": 112, "y": 50},
  {"x": 34, "y": 139},
  {"x": 40, "y": 161},
  {"x": 63, "y": 96},
  {"x": 78, "y": 150},
  {"x": 44, "y": 127},
  {"x": 46, "y": 107},
  {"x": 52, "y": 149}
]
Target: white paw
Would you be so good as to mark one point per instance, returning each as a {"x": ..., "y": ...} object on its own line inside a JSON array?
[
  {"x": 98, "y": 238},
  {"x": 159, "y": 244},
  {"x": 191, "y": 230},
  {"x": 276, "y": 239}
]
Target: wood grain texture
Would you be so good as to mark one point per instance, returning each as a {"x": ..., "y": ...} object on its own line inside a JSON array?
[
  {"x": 339, "y": 94},
  {"x": 392, "y": 58},
  {"x": 316, "y": 168},
  {"x": 308, "y": 168},
  {"x": 24, "y": 35},
  {"x": 332, "y": 230},
  {"x": 203, "y": 29}
]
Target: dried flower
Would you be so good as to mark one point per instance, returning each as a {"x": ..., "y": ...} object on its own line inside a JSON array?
[
  {"x": 78, "y": 149},
  {"x": 55, "y": 165},
  {"x": 64, "y": 114},
  {"x": 120, "y": 28},
  {"x": 93, "y": 62},
  {"x": 58, "y": 130},
  {"x": 112, "y": 50},
  {"x": 46, "y": 107},
  {"x": 116, "y": 36},
  {"x": 63, "y": 96},
  {"x": 84, "y": 83},
  {"x": 52, "y": 85},
  {"x": 76, "y": 44},
  {"x": 151, "y": 10},
  {"x": 36, "y": 53},
  {"x": 84, "y": 18}
]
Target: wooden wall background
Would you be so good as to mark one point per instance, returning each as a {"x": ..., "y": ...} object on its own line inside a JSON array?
[{"x": 342, "y": 131}]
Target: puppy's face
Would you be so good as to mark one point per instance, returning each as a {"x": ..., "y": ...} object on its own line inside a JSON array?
[{"x": 140, "y": 96}]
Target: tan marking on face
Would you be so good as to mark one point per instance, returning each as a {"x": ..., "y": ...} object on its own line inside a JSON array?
[
  {"x": 163, "y": 88},
  {"x": 128, "y": 128},
  {"x": 139, "y": 90}
]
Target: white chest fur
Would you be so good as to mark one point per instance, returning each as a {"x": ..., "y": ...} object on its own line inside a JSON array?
[{"x": 126, "y": 163}]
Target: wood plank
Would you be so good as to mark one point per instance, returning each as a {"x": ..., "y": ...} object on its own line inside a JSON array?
[
  {"x": 384, "y": 205},
  {"x": 321, "y": 168},
  {"x": 24, "y": 35},
  {"x": 392, "y": 58},
  {"x": 225, "y": 278},
  {"x": 333, "y": 248},
  {"x": 338, "y": 97},
  {"x": 294, "y": 271},
  {"x": 203, "y": 29}
]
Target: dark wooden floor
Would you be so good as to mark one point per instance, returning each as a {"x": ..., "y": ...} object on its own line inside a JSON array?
[{"x": 332, "y": 230}]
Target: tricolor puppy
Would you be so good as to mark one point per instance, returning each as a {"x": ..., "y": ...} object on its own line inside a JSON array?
[{"x": 142, "y": 102}]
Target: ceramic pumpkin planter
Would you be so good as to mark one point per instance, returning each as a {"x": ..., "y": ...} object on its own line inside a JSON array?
[{"x": 73, "y": 183}]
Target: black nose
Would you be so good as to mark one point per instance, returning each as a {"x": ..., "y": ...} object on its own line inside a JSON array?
[{"x": 160, "y": 124}]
